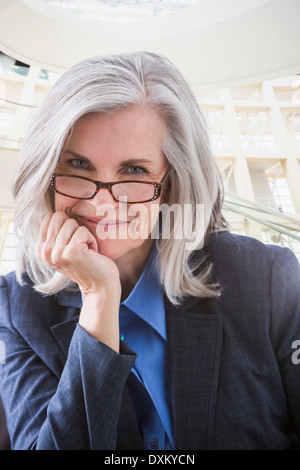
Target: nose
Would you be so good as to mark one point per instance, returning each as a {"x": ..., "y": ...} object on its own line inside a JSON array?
[{"x": 103, "y": 196}]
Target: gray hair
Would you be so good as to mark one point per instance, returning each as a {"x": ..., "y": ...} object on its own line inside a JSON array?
[{"x": 107, "y": 84}]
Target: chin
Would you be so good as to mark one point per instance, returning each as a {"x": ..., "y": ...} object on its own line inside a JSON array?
[{"x": 115, "y": 249}]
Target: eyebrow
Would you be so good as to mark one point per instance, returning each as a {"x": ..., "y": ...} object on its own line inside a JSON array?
[
  {"x": 135, "y": 161},
  {"x": 77, "y": 155},
  {"x": 130, "y": 161}
]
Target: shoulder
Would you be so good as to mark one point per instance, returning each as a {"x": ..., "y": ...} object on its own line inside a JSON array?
[
  {"x": 238, "y": 245},
  {"x": 13, "y": 293},
  {"x": 247, "y": 268},
  {"x": 22, "y": 306},
  {"x": 10, "y": 283},
  {"x": 20, "y": 294},
  {"x": 260, "y": 288},
  {"x": 241, "y": 252}
]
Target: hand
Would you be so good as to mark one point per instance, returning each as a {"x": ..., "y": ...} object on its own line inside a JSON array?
[{"x": 72, "y": 250}]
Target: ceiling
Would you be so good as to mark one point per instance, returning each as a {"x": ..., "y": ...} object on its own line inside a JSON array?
[
  {"x": 215, "y": 43},
  {"x": 122, "y": 10}
]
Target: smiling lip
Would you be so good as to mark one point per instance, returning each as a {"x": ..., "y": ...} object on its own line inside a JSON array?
[{"x": 93, "y": 222}]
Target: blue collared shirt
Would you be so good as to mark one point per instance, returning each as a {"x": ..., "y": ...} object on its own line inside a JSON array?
[{"x": 143, "y": 328}]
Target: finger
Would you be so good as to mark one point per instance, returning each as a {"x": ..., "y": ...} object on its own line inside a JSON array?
[
  {"x": 43, "y": 232},
  {"x": 82, "y": 240},
  {"x": 63, "y": 239},
  {"x": 56, "y": 222},
  {"x": 44, "y": 227}
]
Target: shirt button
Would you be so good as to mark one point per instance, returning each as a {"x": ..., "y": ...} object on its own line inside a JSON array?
[{"x": 153, "y": 444}]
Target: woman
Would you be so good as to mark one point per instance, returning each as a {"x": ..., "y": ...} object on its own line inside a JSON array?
[{"x": 116, "y": 336}]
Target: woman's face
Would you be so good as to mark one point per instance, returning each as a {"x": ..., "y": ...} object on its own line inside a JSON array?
[{"x": 126, "y": 145}]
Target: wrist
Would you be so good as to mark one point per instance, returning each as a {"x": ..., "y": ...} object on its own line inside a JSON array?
[
  {"x": 109, "y": 288},
  {"x": 100, "y": 314},
  {"x": 102, "y": 297}
]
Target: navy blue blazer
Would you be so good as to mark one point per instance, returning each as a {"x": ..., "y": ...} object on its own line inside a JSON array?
[{"x": 234, "y": 383}]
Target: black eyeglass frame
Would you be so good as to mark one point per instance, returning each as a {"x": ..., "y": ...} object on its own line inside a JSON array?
[{"x": 100, "y": 185}]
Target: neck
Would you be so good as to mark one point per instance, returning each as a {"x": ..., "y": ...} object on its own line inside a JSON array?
[{"x": 131, "y": 267}]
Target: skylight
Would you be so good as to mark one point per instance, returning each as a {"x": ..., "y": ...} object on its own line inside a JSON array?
[{"x": 123, "y": 10}]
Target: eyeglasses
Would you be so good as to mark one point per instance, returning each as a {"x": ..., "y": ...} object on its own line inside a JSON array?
[{"x": 79, "y": 187}]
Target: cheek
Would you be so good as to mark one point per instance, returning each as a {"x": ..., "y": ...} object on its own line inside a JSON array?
[
  {"x": 64, "y": 204},
  {"x": 154, "y": 213},
  {"x": 143, "y": 218}
]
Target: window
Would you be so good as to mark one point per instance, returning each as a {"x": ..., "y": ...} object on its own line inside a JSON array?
[
  {"x": 244, "y": 141},
  {"x": 220, "y": 141},
  {"x": 265, "y": 142},
  {"x": 46, "y": 75},
  {"x": 281, "y": 194},
  {"x": 292, "y": 119},
  {"x": 258, "y": 142},
  {"x": 215, "y": 115},
  {"x": 257, "y": 116}
]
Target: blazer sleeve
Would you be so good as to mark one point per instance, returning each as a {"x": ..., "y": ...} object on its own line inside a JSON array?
[
  {"x": 78, "y": 411},
  {"x": 285, "y": 327}
]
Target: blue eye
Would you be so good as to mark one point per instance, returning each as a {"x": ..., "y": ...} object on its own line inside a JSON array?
[
  {"x": 78, "y": 163},
  {"x": 136, "y": 170}
]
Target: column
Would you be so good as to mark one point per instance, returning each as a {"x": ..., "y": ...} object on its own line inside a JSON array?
[
  {"x": 240, "y": 167},
  {"x": 288, "y": 145},
  {"x": 16, "y": 131}
]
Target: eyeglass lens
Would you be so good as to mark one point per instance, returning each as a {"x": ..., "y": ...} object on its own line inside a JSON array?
[{"x": 81, "y": 188}]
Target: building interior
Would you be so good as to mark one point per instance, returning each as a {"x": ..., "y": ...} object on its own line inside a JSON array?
[{"x": 240, "y": 57}]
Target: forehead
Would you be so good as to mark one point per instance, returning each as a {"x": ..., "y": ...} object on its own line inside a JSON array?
[{"x": 127, "y": 129}]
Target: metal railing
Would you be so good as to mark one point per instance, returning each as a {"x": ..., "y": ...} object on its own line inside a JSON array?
[{"x": 274, "y": 226}]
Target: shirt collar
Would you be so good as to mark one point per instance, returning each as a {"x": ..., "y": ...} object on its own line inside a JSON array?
[{"x": 146, "y": 299}]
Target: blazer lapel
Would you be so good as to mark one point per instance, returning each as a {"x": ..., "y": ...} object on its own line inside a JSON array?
[{"x": 195, "y": 341}]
